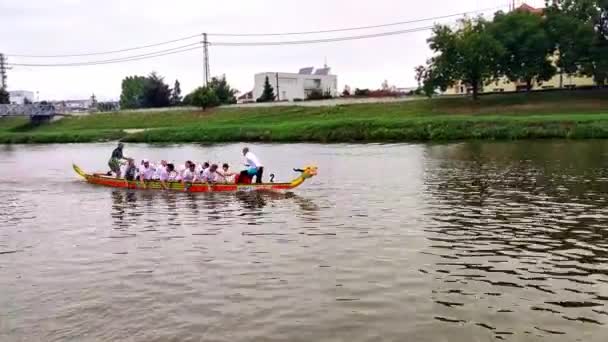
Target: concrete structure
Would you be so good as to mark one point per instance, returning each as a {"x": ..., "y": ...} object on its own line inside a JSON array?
[
  {"x": 558, "y": 81},
  {"x": 291, "y": 86},
  {"x": 72, "y": 106},
  {"x": 246, "y": 98},
  {"x": 21, "y": 96}
]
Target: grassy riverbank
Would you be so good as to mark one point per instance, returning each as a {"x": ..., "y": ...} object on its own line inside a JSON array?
[{"x": 576, "y": 115}]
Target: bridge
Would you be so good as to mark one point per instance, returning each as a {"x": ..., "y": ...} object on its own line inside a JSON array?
[{"x": 38, "y": 113}]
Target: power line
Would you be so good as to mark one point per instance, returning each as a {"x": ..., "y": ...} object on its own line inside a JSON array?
[
  {"x": 199, "y": 45},
  {"x": 324, "y": 40},
  {"x": 356, "y": 28},
  {"x": 111, "y": 61},
  {"x": 110, "y": 52},
  {"x": 255, "y": 35}
]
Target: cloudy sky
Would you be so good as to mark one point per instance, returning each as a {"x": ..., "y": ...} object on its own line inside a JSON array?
[{"x": 59, "y": 27}]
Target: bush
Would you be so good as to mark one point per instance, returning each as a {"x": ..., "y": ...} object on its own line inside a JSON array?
[
  {"x": 318, "y": 95},
  {"x": 205, "y": 97},
  {"x": 361, "y": 92}
]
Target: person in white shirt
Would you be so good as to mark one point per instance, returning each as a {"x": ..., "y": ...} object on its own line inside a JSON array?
[
  {"x": 147, "y": 171},
  {"x": 162, "y": 167},
  {"x": 210, "y": 175},
  {"x": 190, "y": 175},
  {"x": 167, "y": 174},
  {"x": 204, "y": 166},
  {"x": 254, "y": 166}
]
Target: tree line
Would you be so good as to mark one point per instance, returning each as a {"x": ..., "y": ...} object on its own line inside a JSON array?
[
  {"x": 152, "y": 92},
  {"x": 568, "y": 37}
]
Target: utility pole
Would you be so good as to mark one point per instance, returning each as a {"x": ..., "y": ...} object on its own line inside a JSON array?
[
  {"x": 278, "y": 96},
  {"x": 2, "y": 71},
  {"x": 206, "y": 59}
]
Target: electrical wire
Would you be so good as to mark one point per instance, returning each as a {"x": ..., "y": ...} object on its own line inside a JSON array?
[
  {"x": 111, "y": 61},
  {"x": 323, "y": 40},
  {"x": 200, "y": 45},
  {"x": 108, "y": 52},
  {"x": 261, "y": 35},
  {"x": 356, "y": 28}
]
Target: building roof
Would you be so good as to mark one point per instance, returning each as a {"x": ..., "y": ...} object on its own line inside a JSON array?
[
  {"x": 527, "y": 8},
  {"x": 246, "y": 96}
]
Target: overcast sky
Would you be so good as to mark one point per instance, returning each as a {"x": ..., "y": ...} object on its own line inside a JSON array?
[{"x": 46, "y": 27}]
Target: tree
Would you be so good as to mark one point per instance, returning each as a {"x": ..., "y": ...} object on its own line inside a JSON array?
[
  {"x": 346, "y": 91},
  {"x": 384, "y": 86},
  {"x": 187, "y": 101},
  {"x": 420, "y": 71},
  {"x": 361, "y": 92},
  {"x": 580, "y": 31},
  {"x": 204, "y": 97},
  {"x": 132, "y": 95},
  {"x": 222, "y": 89},
  {"x": 527, "y": 47},
  {"x": 267, "y": 93},
  {"x": 469, "y": 54},
  {"x": 176, "y": 97},
  {"x": 93, "y": 101},
  {"x": 156, "y": 93},
  {"x": 4, "y": 96}
]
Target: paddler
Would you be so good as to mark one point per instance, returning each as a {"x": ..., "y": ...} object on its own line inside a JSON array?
[{"x": 117, "y": 159}]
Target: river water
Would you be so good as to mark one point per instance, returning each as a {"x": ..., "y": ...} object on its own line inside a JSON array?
[{"x": 456, "y": 242}]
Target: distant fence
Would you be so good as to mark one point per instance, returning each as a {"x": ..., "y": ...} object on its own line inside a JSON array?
[{"x": 27, "y": 110}]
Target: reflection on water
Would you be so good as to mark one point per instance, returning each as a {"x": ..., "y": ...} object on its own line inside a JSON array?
[
  {"x": 519, "y": 236},
  {"x": 129, "y": 207},
  {"x": 457, "y": 242}
]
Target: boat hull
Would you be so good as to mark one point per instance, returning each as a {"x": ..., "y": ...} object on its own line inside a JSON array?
[{"x": 104, "y": 180}]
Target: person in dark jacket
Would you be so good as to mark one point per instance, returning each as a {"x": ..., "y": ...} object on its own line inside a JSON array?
[{"x": 116, "y": 159}]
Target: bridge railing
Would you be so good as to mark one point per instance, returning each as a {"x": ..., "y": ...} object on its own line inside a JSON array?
[{"x": 27, "y": 110}]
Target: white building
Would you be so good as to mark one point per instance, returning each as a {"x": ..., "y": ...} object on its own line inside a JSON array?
[
  {"x": 289, "y": 86},
  {"x": 20, "y": 96}
]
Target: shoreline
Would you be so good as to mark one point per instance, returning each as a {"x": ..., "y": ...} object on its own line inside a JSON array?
[{"x": 561, "y": 115}]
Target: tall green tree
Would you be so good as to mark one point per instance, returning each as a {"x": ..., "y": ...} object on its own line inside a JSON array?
[
  {"x": 588, "y": 18},
  {"x": 222, "y": 89},
  {"x": 204, "y": 97},
  {"x": 176, "y": 94},
  {"x": 4, "y": 96},
  {"x": 267, "y": 93},
  {"x": 420, "y": 71},
  {"x": 469, "y": 54},
  {"x": 132, "y": 95},
  {"x": 527, "y": 47},
  {"x": 156, "y": 92}
]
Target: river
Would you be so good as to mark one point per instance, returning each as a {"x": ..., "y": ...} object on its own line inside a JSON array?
[{"x": 475, "y": 241}]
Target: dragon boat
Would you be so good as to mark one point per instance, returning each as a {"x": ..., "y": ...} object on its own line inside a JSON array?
[{"x": 110, "y": 181}]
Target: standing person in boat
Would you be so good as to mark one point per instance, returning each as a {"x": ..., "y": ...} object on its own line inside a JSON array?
[
  {"x": 116, "y": 159},
  {"x": 254, "y": 166}
]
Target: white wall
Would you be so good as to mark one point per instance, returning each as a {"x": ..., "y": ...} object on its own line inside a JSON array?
[
  {"x": 293, "y": 86},
  {"x": 19, "y": 96}
]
